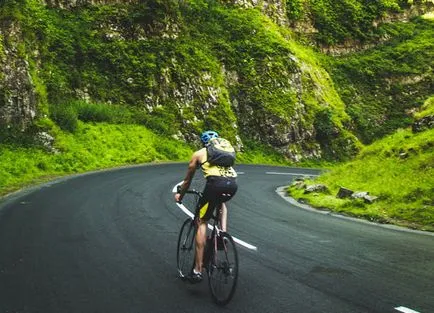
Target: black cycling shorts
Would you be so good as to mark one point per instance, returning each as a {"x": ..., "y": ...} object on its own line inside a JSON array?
[{"x": 217, "y": 189}]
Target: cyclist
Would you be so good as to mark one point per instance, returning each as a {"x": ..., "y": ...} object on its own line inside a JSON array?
[{"x": 219, "y": 181}]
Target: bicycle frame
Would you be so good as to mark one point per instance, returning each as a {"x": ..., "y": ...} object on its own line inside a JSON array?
[{"x": 217, "y": 266}]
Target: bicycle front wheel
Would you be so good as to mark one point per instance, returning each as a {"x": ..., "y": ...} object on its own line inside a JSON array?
[
  {"x": 186, "y": 248},
  {"x": 222, "y": 269}
]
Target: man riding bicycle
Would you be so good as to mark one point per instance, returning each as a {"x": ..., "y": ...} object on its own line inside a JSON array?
[{"x": 219, "y": 181}]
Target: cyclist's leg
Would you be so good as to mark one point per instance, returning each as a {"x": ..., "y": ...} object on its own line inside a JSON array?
[
  {"x": 226, "y": 191},
  {"x": 200, "y": 245},
  {"x": 214, "y": 189},
  {"x": 223, "y": 217},
  {"x": 202, "y": 216}
]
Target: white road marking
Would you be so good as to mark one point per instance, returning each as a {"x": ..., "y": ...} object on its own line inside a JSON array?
[
  {"x": 187, "y": 211},
  {"x": 405, "y": 310},
  {"x": 292, "y": 174},
  {"x": 184, "y": 209},
  {"x": 244, "y": 244}
]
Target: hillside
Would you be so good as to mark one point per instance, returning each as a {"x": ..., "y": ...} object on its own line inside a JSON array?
[
  {"x": 398, "y": 170},
  {"x": 191, "y": 65},
  {"x": 287, "y": 81},
  {"x": 383, "y": 85}
]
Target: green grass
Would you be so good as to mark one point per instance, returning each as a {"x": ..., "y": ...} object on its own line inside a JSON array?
[
  {"x": 256, "y": 153},
  {"x": 427, "y": 109},
  {"x": 91, "y": 147},
  {"x": 179, "y": 82},
  {"x": 398, "y": 169},
  {"x": 67, "y": 114},
  {"x": 95, "y": 146},
  {"x": 364, "y": 92},
  {"x": 381, "y": 84}
]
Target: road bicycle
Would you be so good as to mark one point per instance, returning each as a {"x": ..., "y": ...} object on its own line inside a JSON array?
[{"x": 220, "y": 255}]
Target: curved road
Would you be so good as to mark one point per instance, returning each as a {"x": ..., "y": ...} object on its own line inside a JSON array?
[{"x": 106, "y": 241}]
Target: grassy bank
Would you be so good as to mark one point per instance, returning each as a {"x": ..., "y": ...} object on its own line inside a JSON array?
[
  {"x": 91, "y": 147},
  {"x": 397, "y": 169},
  {"x": 94, "y": 146}
]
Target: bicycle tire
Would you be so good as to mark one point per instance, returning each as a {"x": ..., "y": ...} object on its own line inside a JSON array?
[
  {"x": 186, "y": 248},
  {"x": 222, "y": 269}
]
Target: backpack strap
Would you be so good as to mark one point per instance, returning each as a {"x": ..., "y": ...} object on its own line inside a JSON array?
[{"x": 206, "y": 151}]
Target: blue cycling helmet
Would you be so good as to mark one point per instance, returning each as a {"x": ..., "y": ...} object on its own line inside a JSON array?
[{"x": 207, "y": 136}]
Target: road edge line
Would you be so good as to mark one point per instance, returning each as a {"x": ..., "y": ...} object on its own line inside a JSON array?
[{"x": 281, "y": 191}]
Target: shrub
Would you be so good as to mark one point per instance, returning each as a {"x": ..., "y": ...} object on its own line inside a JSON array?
[
  {"x": 65, "y": 116},
  {"x": 90, "y": 112}
]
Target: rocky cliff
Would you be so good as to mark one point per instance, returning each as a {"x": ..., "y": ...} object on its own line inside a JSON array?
[
  {"x": 18, "y": 101},
  {"x": 187, "y": 66},
  {"x": 68, "y": 4}
]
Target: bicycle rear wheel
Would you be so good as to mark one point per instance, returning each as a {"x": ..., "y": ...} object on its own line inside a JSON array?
[
  {"x": 222, "y": 269},
  {"x": 186, "y": 248}
]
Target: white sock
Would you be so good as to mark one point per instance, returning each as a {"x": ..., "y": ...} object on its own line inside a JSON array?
[{"x": 195, "y": 272}]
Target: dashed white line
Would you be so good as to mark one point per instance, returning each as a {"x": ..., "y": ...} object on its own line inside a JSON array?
[
  {"x": 405, "y": 310},
  {"x": 187, "y": 211}
]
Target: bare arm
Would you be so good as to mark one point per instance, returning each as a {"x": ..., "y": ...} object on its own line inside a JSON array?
[{"x": 192, "y": 165}]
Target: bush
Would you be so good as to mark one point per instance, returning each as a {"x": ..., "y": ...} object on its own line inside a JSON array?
[
  {"x": 65, "y": 116},
  {"x": 90, "y": 112}
]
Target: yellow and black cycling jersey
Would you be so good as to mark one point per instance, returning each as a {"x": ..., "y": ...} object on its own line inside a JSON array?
[{"x": 214, "y": 170}]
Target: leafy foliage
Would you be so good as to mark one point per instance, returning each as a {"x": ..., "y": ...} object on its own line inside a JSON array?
[
  {"x": 398, "y": 169},
  {"x": 167, "y": 61},
  {"x": 90, "y": 147},
  {"x": 65, "y": 116},
  {"x": 188, "y": 65},
  {"x": 381, "y": 84},
  {"x": 427, "y": 109},
  {"x": 337, "y": 21}
]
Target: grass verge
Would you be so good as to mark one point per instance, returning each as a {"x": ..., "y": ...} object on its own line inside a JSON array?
[
  {"x": 95, "y": 146},
  {"x": 397, "y": 169}
]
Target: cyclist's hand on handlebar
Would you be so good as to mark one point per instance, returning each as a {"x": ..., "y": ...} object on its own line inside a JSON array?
[{"x": 178, "y": 197}]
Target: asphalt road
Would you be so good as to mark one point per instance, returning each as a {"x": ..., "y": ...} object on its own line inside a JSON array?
[{"x": 106, "y": 242}]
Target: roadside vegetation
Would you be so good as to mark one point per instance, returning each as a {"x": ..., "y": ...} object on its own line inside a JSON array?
[
  {"x": 199, "y": 64},
  {"x": 90, "y": 147},
  {"x": 380, "y": 85},
  {"x": 398, "y": 169},
  {"x": 343, "y": 20},
  {"x": 107, "y": 139}
]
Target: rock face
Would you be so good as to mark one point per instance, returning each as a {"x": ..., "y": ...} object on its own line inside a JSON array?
[
  {"x": 247, "y": 102},
  {"x": 306, "y": 26},
  {"x": 67, "y": 4},
  {"x": 17, "y": 93},
  {"x": 275, "y": 9},
  {"x": 247, "y": 99},
  {"x": 424, "y": 123}
]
